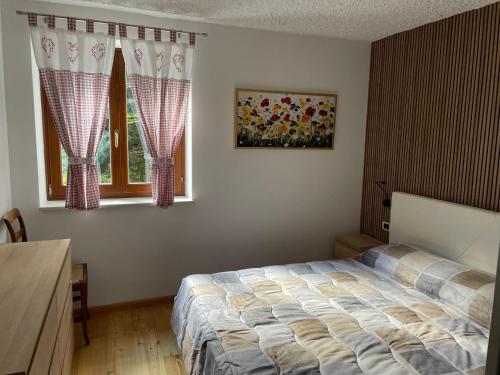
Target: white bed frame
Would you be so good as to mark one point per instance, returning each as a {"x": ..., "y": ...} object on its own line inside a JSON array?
[{"x": 467, "y": 235}]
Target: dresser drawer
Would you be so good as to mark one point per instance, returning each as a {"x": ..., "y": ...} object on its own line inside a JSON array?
[
  {"x": 343, "y": 251},
  {"x": 62, "y": 285},
  {"x": 46, "y": 343},
  {"x": 55, "y": 364},
  {"x": 68, "y": 355},
  {"x": 59, "y": 353},
  {"x": 66, "y": 326},
  {"x": 50, "y": 350},
  {"x": 353, "y": 245}
]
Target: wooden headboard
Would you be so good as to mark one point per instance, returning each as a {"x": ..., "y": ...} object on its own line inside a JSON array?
[{"x": 468, "y": 235}]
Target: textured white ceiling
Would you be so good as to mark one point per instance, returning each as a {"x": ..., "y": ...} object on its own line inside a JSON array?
[{"x": 350, "y": 19}]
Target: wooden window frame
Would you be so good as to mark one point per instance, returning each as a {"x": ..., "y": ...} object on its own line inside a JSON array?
[{"x": 120, "y": 186}]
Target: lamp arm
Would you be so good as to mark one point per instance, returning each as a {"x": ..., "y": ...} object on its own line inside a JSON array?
[{"x": 381, "y": 184}]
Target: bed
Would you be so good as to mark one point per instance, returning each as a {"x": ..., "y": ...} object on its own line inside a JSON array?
[{"x": 421, "y": 304}]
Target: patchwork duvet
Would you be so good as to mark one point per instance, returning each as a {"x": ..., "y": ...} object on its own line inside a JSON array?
[{"x": 387, "y": 315}]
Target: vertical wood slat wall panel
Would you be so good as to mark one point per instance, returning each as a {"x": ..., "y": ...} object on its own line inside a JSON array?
[{"x": 433, "y": 124}]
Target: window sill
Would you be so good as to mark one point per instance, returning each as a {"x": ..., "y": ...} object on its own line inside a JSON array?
[{"x": 113, "y": 202}]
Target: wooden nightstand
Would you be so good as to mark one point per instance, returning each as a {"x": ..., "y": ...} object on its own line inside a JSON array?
[{"x": 352, "y": 245}]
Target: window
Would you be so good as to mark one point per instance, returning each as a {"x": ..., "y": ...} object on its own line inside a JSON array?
[{"x": 120, "y": 156}]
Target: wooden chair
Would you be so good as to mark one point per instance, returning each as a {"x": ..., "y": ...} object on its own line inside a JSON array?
[
  {"x": 9, "y": 219},
  {"x": 80, "y": 286},
  {"x": 78, "y": 271}
]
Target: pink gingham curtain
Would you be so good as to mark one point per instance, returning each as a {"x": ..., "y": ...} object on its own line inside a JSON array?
[
  {"x": 75, "y": 70},
  {"x": 160, "y": 76}
]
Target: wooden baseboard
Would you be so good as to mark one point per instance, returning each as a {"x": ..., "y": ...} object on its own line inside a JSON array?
[{"x": 130, "y": 304}]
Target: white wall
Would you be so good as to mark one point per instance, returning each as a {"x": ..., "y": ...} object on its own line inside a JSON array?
[
  {"x": 252, "y": 207},
  {"x": 5, "y": 196}
]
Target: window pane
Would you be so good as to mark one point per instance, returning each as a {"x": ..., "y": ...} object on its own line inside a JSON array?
[
  {"x": 103, "y": 157},
  {"x": 104, "y": 154},
  {"x": 64, "y": 166},
  {"x": 138, "y": 171}
]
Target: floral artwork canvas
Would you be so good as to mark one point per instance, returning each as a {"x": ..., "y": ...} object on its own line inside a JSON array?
[{"x": 271, "y": 119}]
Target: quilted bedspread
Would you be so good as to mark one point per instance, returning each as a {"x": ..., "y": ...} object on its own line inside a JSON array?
[{"x": 327, "y": 317}]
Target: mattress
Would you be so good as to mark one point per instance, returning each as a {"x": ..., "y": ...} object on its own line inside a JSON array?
[{"x": 324, "y": 317}]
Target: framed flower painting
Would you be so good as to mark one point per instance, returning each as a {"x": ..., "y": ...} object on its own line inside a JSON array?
[{"x": 284, "y": 120}]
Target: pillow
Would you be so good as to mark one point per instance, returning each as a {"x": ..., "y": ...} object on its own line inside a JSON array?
[{"x": 468, "y": 290}]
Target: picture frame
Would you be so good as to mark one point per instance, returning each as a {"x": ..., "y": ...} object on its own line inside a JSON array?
[{"x": 275, "y": 119}]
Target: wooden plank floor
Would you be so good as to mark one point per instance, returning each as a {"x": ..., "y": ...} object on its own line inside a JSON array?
[{"x": 136, "y": 341}]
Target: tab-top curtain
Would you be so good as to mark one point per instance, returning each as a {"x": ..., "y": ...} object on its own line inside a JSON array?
[
  {"x": 75, "y": 70},
  {"x": 160, "y": 77}
]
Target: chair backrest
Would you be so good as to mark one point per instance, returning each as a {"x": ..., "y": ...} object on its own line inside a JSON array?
[{"x": 9, "y": 219}]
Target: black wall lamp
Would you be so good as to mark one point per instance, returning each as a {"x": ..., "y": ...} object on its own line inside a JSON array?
[{"x": 382, "y": 184}]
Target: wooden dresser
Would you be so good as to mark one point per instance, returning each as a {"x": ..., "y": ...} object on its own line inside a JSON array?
[
  {"x": 36, "y": 308},
  {"x": 352, "y": 245}
]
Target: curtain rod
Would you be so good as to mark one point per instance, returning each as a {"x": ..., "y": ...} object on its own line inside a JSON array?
[{"x": 107, "y": 22}]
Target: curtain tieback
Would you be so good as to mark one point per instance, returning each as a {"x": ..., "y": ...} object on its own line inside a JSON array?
[
  {"x": 163, "y": 161},
  {"x": 81, "y": 161}
]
